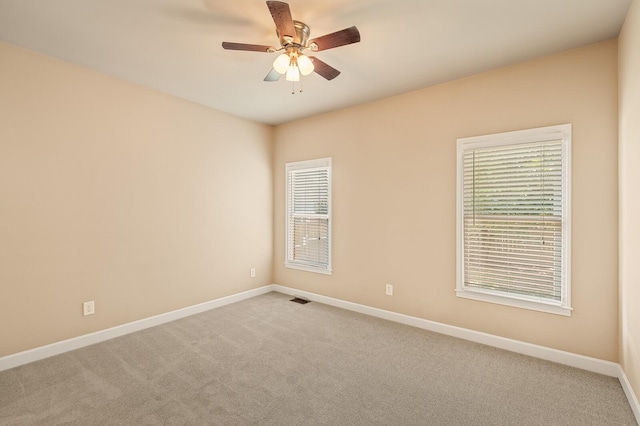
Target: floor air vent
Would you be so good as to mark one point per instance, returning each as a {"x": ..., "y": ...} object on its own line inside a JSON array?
[{"x": 300, "y": 301}]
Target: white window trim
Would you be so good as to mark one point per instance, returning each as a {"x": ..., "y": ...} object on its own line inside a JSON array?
[
  {"x": 299, "y": 165},
  {"x": 511, "y": 138}
]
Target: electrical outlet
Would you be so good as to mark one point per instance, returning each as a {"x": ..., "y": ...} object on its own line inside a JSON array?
[
  {"x": 88, "y": 308},
  {"x": 389, "y": 290},
  {"x": 253, "y": 272}
]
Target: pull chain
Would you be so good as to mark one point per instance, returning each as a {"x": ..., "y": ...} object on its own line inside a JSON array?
[{"x": 293, "y": 87}]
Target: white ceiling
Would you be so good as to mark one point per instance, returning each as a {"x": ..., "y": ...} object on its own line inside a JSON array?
[{"x": 175, "y": 45}]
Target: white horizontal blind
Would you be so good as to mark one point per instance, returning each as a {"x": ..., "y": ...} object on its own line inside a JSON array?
[
  {"x": 308, "y": 215},
  {"x": 513, "y": 220}
]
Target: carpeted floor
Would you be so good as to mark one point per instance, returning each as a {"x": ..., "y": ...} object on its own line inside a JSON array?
[{"x": 268, "y": 361}]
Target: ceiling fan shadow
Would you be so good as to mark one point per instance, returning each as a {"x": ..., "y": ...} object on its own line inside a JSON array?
[
  {"x": 207, "y": 18},
  {"x": 353, "y": 11}
]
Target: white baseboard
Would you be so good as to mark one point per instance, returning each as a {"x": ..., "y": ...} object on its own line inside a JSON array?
[
  {"x": 628, "y": 390},
  {"x": 567, "y": 358},
  {"x": 574, "y": 360},
  {"x": 57, "y": 348},
  {"x": 594, "y": 365}
]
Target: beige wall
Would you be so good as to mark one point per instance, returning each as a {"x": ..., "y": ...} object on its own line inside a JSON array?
[
  {"x": 394, "y": 205},
  {"x": 112, "y": 192},
  {"x": 146, "y": 203},
  {"x": 629, "y": 163}
]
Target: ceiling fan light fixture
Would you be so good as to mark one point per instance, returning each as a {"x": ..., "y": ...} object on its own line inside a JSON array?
[
  {"x": 305, "y": 65},
  {"x": 294, "y": 39},
  {"x": 281, "y": 64},
  {"x": 293, "y": 73}
]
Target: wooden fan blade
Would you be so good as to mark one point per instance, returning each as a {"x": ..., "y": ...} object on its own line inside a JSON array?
[
  {"x": 273, "y": 75},
  {"x": 325, "y": 70},
  {"x": 247, "y": 47},
  {"x": 282, "y": 18},
  {"x": 339, "y": 38}
]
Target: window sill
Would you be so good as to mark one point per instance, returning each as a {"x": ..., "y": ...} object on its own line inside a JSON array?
[
  {"x": 308, "y": 268},
  {"x": 516, "y": 303}
]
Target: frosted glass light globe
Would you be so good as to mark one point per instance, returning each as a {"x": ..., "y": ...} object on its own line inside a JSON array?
[
  {"x": 293, "y": 73},
  {"x": 281, "y": 64},
  {"x": 305, "y": 64}
]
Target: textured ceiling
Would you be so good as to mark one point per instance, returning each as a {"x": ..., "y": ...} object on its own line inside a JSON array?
[{"x": 175, "y": 45}]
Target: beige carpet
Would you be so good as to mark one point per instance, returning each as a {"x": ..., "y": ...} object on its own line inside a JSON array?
[{"x": 268, "y": 361}]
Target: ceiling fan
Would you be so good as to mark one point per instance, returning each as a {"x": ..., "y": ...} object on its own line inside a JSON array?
[{"x": 294, "y": 40}]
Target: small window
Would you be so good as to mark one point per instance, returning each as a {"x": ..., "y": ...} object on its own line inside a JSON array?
[
  {"x": 308, "y": 227},
  {"x": 514, "y": 220}
]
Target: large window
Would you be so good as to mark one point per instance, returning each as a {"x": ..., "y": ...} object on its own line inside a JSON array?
[
  {"x": 308, "y": 227},
  {"x": 514, "y": 220}
]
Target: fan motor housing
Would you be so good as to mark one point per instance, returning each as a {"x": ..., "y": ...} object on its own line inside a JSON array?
[{"x": 301, "y": 37}]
